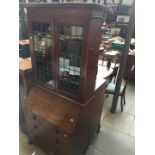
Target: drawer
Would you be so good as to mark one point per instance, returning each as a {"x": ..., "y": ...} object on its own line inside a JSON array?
[
  {"x": 48, "y": 136},
  {"x": 54, "y": 143}
]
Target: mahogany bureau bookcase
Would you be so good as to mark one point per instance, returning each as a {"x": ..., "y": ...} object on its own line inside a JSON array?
[{"x": 64, "y": 103}]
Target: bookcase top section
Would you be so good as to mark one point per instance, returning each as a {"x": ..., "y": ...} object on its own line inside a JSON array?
[{"x": 67, "y": 5}]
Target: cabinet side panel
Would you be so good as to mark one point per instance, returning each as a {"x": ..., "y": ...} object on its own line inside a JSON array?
[
  {"x": 88, "y": 123},
  {"x": 91, "y": 59},
  {"x": 80, "y": 135},
  {"x": 96, "y": 111}
]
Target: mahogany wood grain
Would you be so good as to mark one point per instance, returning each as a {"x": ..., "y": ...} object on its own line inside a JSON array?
[
  {"x": 54, "y": 109},
  {"x": 48, "y": 115},
  {"x": 60, "y": 123}
]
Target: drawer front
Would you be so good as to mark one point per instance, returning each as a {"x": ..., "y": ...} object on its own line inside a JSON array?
[{"x": 47, "y": 136}]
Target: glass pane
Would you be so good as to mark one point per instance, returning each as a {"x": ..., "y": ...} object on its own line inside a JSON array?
[
  {"x": 42, "y": 51},
  {"x": 70, "y": 46}
]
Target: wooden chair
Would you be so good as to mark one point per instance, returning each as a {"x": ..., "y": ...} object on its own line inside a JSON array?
[
  {"x": 111, "y": 88},
  {"x": 113, "y": 76},
  {"x": 110, "y": 61},
  {"x": 111, "y": 57}
]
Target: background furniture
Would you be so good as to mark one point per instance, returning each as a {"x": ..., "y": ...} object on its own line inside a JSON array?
[
  {"x": 110, "y": 61},
  {"x": 103, "y": 71},
  {"x": 130, "y": 62},
  {"x": 64, "y": 50},
  {"x": 24, "y": 50},
  {"x": 111, "y": 57},
  {"x": 25, "y": 79},
  {"x": 111, "y": 88}
]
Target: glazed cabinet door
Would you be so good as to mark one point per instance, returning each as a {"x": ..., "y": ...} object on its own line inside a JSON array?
[
  {"x": 70, "y": 53},
  {"x": 42, "y": 45}
]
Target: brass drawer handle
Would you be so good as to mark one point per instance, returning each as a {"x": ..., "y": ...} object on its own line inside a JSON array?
[
  {"x": 65, "y": 135},
  {"x": 71, "y": 120}
]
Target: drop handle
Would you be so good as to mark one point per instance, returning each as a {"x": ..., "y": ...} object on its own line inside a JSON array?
[
  {"x": 65, "y": 135},
  {"x": 71, "y": 120}
]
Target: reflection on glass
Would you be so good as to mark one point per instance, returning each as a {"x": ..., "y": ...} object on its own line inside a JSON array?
[
  {"x": 70, "y": 32},
  {"x": 70, "y": 46},
  {"x": 42, "y": 50},
  {"x": 79, "y": 31}
]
